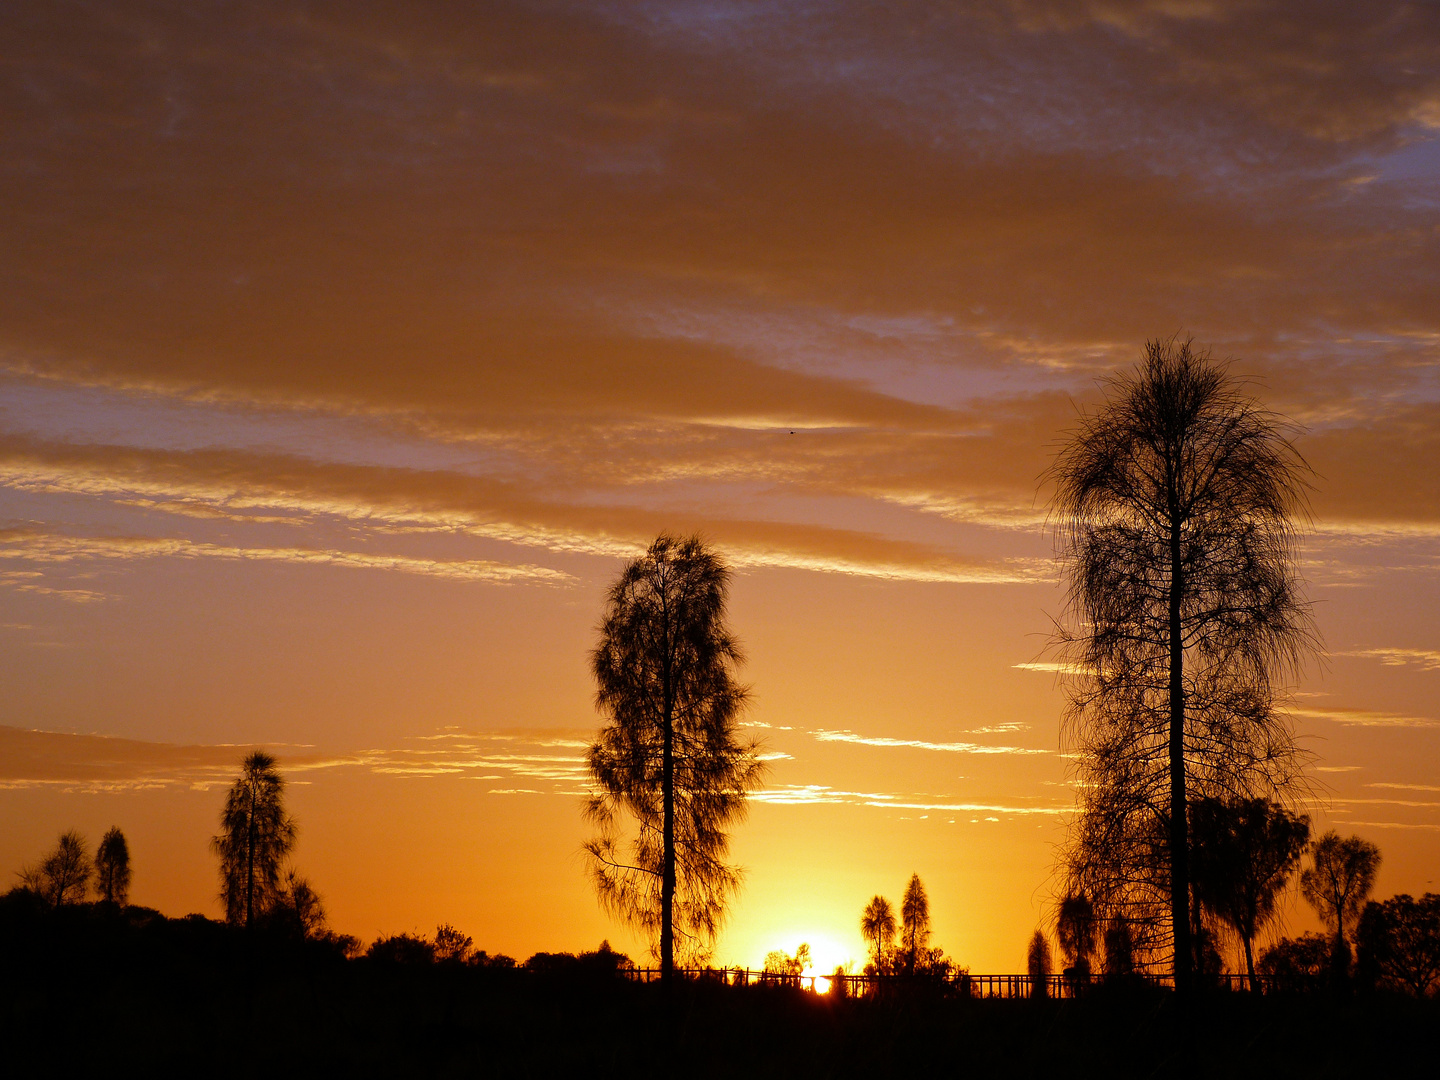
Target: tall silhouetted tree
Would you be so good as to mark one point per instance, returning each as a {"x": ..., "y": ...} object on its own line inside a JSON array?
[
  {"x": 1037, "y": 964},
  {"x": 669, "y": 756},
  {"x": 63, "y": 876},
  {"x": 1337, "y": 884},
  {"x": 112, "y": 868},
  {"x": 1075, "y": 929},
  {"x": 877, "y": 926},
  {"x": 255, "y": 836},
  {"x": 914, "y": 922},
  {"x": 1244, "y": 853},
  {"x": 1175, "y": 505}
]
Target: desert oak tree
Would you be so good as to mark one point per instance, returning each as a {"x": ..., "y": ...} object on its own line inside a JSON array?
[
  {"x": 1175, "y": 504},
  {"x": 669, "y": 756}
]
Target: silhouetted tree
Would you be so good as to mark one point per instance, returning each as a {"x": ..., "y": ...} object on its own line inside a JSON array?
[
  {"x": 452, "y": 945},
  {"x": 1297, "y": 965},
  {"x": 296, "y": 909},
  {"x": 255, "y": 836},
  {"x": 670, "y": 756},
  {"x": 1119, "y": 950},
  {"x": 786, "y": 968},
  {"x": 1337, "y": 884},
  {"x": 1075, "y": 929},
  {"x": 403, "y": 949},
  {"x": 914, "y": 923},
  {"x": 877, "y": 926},
  {"x": 1175, "y": 504},
  {"x": 1399, "y": 944},
  {"x": 1244, "y": 853},
  {"x": 63, "y": 876},
  {"x": 112, "y": 868},
  {"x": 1037, "y": 963}
]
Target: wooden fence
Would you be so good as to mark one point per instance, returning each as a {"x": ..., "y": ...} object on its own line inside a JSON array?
[{"x": 962, "y": 984}]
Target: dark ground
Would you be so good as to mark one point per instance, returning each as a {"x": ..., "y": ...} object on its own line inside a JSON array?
[{"x": 89, "y": 991}]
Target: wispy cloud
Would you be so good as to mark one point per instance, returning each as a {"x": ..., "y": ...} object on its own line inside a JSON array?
[
  {"x": 1424, "y": 659},
  {"x": 824, "y": 735},
  {"x": 1054, "y": 666},
  {"x": 1422, "y": 826},
  {"x": 37, "y": 546},
  {"x": 1366, "y": 718},
  {"x": 824, "y": 795},
  {"x": 97, "y": 763}
]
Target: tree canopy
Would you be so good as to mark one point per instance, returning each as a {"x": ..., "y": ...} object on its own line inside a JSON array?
[
  {"x": 1337, "y": 883},
  {"x": 669, "y": 758},
  {"x": 1176, "y": 504},
  {"x": 255, "y": 836}
]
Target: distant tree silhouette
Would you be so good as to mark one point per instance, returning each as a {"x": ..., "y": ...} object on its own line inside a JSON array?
[
  {"x": 1244, "y": 853},
  {"x": 1076, "y": 931},
  {"x": 877, "y": 926},
  {"x": 1297, "y": 965},
  {"x": 914, "y": 923},
  {"x": 1337, "y": 884},
  {"x": 1037, "y": 964},
  {"x": 112, "y": 868},
  {"x": 1119, "y": 949},
  {"x": 406, "y": 949},
  {"x": 781, "y": 965},
  {"x": 1398, "y": 944},
  {"x": 295, "y": 908},
  {"x": 63, "y": 876},
  {"x": 255, "y": 836},
  {"x": 451, "y": 945},
  {"x": 669, "y": 756},
  {"x": 1175, "y": 503}
]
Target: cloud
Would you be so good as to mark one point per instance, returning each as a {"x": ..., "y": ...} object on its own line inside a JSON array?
[
  {"x": 451, "y": 502},
  {"x": 821, "y": 794},
  {"x": 918, "y": 744},
  {"x": 1424, "y": 659},
  {"x": 98, "y": 763},
  {"x": 1365, "y": 718},
  {"x": 37, "y": 546}
]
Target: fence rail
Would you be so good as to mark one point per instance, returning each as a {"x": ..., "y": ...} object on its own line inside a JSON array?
[{"x": 960, "y": 984}]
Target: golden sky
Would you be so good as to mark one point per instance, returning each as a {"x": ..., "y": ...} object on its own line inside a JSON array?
[{"x": 347, "y": 349}]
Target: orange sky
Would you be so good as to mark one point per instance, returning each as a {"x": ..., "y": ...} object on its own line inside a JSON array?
[{"x": 346, "y": 350}]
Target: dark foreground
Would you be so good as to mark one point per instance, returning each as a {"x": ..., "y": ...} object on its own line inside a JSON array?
[{"x": 88, "y": 991}]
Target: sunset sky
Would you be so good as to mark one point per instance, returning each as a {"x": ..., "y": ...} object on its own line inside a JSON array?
[{"x": 347, "y": 350}]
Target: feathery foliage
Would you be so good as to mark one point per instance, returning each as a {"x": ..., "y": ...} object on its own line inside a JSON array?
[
  {"x": 1175, "y": 508},
  {"x": 1244, "y": 853},
  {"x": 1076, "y": 932},
  {"x": 669, "y": 757},
  {"x": 1038, "y": 965},
  {"x": 112, "y": 868},
  {"x": 63, "y": 877},
  {"x": 877, "y": 926},
  {"x": 1337, "y": 883},
  {"x": 255, "y": 836},
  {"x": 914, "y": 921}
]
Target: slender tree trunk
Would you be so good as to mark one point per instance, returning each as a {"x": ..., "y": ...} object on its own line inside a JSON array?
[
  {"x": 667, "y": 881},
  {"x": 250, "y": 863},
  {"x": 1250, "y": 965},
  {"x": 1179, "y": 833}
]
